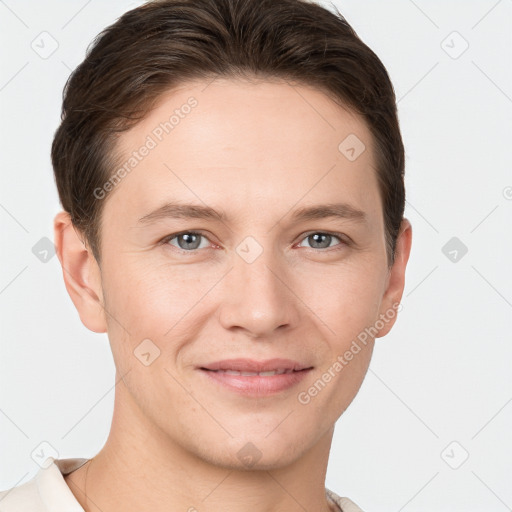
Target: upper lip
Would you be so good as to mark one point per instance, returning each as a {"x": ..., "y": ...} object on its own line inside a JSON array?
[{"x": 251, "y": 365}]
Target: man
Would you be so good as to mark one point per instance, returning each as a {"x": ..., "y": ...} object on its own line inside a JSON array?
[{"x": 231, "y": 174}]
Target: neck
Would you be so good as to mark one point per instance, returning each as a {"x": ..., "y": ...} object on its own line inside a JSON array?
[{"x": 141, "y": 467}]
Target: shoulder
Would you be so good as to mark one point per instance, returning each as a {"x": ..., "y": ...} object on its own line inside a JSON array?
[
  {"x": 345, "y": 504},
  {"x": 47, "y": 490},
  {"x": 23, "y": 498}
]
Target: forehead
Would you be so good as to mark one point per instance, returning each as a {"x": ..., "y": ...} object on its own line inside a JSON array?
[{"x": 249, "y": 143}]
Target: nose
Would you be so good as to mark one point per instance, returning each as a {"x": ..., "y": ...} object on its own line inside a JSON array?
[{"x": 258, "y": 297}]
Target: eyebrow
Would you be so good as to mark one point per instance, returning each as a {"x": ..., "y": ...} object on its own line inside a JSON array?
[
  {"x": 336, "y": 210},
  {"x": 183, "y": 211}
]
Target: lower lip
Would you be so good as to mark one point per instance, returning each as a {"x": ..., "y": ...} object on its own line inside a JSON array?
[{"x": 257, "y": 385}]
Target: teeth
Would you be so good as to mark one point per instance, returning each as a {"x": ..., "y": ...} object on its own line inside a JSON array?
[{"x": 254, "y": 374}]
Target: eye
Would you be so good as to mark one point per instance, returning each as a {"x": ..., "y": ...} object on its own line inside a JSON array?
[
  {"x": 190, "y": 241},
  {"x": 322, "y": 240},
  {"x": 186, "y": 241}
]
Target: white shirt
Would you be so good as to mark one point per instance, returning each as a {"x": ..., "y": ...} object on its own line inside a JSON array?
[{"x": 47, "y": 491}]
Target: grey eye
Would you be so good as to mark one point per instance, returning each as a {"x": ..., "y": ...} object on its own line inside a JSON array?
[
  {"x": 320, "y": 240},
  {"x": 188, "y": 241}
]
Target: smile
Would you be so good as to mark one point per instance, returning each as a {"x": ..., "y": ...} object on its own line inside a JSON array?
[
  {"x": 255, "y": 384},
  {"x": 254, "y": 374}
]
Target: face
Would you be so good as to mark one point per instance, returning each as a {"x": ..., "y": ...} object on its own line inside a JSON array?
[{"x": 258, "y": 255}]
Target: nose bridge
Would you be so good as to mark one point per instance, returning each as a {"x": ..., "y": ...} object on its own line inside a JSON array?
[{"x": 257, "y": 297}]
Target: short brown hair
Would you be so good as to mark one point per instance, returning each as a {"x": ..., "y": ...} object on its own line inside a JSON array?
[{"x": 164, "y": 43}]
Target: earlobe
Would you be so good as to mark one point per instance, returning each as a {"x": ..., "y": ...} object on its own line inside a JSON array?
[
  {"x": 396, "y": 279},
  {"x": 81, "y": 273}
]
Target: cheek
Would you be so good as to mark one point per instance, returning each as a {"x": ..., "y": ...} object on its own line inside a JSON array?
[
  {"x": 140, "y": 293},
  {"x": 344, "y": 299},
  {"x": 159, "y": 303}
]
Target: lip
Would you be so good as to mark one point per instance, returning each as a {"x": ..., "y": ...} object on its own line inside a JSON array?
[
  {"x": 251, "y": 365},
  {"x": 256, "y": 385}
]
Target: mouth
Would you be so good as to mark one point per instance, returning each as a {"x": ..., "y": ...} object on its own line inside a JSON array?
[
  {"x": 255, "y": 378},
  {"x": 251, "y": 366},
  {"x": 268, "y": 373}
]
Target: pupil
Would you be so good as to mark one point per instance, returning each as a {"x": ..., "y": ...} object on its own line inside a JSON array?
[
  {"x": 318, "y": 236},
  {"x": 189, "y": 240}
]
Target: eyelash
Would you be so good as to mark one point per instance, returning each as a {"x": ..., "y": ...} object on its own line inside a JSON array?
[{"x": 342, "y": 238}]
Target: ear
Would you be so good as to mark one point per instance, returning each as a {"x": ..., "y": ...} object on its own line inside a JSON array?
[
  {"x": 396, "y": 280},
  {"x": 82, "y": 275}
]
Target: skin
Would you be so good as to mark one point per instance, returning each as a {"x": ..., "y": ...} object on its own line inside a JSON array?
[{"x": 257, "y": 152}]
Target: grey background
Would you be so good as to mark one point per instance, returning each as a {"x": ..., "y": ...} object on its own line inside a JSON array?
[{"x": 439, "y": 388}]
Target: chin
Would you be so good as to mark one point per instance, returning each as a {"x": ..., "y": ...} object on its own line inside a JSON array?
[
  {"x": 265, "y": 451},
  {"x": 253, "y": 457}
]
